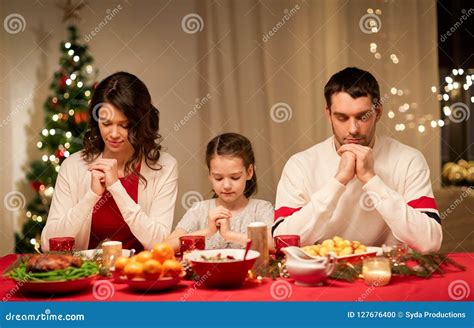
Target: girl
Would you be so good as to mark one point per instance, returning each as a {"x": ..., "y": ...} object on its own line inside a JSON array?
[
  {"x": 223, "y": 219},
  {"x": 121, "y": 186}
]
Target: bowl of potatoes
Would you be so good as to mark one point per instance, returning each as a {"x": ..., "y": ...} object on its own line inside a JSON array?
[{"x": 343, "y": 249}]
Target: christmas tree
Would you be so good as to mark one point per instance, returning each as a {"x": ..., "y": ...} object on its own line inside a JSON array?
[{"x": 66, "y": 117}]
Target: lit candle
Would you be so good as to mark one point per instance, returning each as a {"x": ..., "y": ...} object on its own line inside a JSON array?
[{"x": 376, "y": 271}]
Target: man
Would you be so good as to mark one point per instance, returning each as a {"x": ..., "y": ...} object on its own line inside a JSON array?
[{"x": 355, "y": 184}]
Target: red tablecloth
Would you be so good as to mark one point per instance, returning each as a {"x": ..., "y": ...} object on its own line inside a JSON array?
[{"x": 454, "y": 285}]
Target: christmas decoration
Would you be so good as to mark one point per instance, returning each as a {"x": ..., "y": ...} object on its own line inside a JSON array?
[
  {"x": 66, "y": 116},
  {"x": 409, "y": 264},
  {"x": 459, "y": 174}
]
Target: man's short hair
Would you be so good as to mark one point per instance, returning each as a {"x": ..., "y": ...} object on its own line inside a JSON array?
[{"x": 354, "y": 81}]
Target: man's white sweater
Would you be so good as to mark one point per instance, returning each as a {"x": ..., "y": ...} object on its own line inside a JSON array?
[{"x": 397, "y": 205}]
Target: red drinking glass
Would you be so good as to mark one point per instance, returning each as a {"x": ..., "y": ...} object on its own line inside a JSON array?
[
  {"x": 285, "y": 241},
  {"x": 61, "y": 244},
  {"x": 189, "y": 243}
]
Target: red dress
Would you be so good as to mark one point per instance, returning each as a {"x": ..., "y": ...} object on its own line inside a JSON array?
[{"x": 107, "y": 221}]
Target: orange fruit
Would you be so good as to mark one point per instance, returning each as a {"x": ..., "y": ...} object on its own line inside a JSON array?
[
  {"x": 133, "y": 270},
  {"x": 144, "y": 256},
  {"x": 162, "y": 252},
  {"x": 152, "y": 269},
  {"x": 172, "y": 268},
  {"x": 120, "y": 263}
]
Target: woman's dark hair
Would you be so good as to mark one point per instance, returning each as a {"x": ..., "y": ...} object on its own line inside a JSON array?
[
  {"x": 354, "y": 81},
  {"x": 235, "y": 145},
  {"x": 128, "y": 94}
]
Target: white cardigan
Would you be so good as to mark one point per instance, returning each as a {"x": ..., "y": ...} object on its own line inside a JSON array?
[{"x": 150, "y": 220}]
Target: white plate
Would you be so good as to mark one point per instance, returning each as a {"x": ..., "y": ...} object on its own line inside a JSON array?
[
  {"x": 90, "y": 253},
  {"x": 371, "y": 252}
]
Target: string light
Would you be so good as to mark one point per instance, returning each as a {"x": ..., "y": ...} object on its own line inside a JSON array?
[
  {"x": 45, "y": 132},
  {"x": 55, "y": 117},
  {"x": 446, "y": 110},
  {"x": 66, "y": 95},
  {"x": 79, "y": 84},
  {"x": 52, "y": 132},
  {"x": 71, "y": 112},
  {"x": 39, "y": 144},
  {"x": 75, "y": 58},
  {"x": 394, "y": 58},
  {"x": 44, "y": 158},
  {"x": 70, "y": 52},
  {"x": 67, "y": 45}
]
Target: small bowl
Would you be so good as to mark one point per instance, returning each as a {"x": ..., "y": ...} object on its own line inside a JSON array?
[{"x": 225, "y": 274}]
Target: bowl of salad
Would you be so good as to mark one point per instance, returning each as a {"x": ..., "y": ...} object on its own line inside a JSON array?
[{"x": 222, "y": 268}]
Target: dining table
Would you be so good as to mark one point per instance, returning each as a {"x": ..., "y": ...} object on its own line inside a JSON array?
[{"x": 453, "y": 285}]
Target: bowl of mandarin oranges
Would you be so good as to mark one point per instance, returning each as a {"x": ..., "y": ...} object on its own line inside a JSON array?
[{"x": 149, "y": 270}]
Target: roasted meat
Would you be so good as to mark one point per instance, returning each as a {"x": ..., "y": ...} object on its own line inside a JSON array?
[{"x": 50, "y": 262}]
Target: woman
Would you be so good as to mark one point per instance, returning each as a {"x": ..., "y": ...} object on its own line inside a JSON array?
[{"x": 121, "y": 186}]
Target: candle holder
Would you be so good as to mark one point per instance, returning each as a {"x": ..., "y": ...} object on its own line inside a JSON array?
[
  {"x": 395, "y": 253},
  {"x": 376, "y": 271},
  {"x": 111, "y": 251}
]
